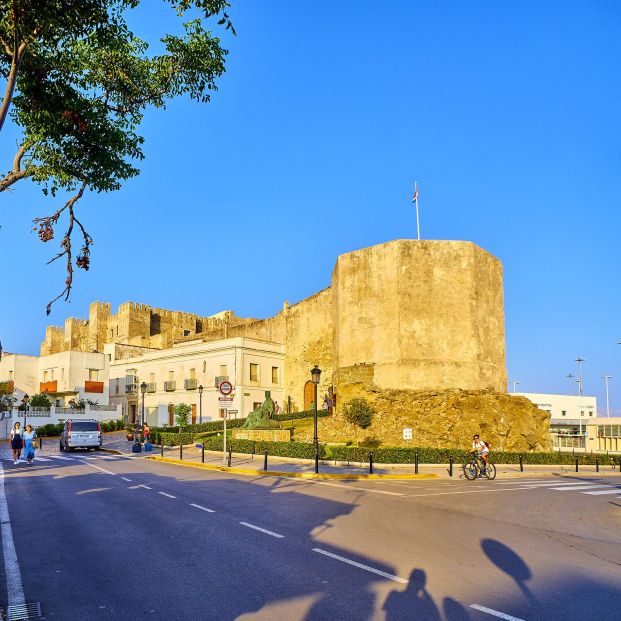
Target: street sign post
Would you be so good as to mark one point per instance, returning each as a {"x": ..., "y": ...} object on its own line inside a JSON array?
[{"x": 225, "y": 401}]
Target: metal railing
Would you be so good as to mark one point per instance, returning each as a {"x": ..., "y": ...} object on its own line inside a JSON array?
[
  {"x": 220, "y": 379},
  {"x": 190, "y": 384},
  {"x": 102, "y": 408},
  {"x": 170, "y": 386},
  {"x": 151, "y": 387}
]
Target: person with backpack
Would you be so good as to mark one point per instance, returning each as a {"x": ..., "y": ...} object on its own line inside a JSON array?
[{"x": 481, "y": 449}]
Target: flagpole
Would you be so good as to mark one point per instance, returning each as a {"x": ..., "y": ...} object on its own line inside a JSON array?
[{"x": 417, "y": 219}]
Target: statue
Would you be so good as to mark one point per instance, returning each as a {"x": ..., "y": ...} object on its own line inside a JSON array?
[{"x": 263, "y": 416}]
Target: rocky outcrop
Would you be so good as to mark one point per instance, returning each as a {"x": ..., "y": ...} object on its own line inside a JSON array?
[{"x": 447, "y": 418}]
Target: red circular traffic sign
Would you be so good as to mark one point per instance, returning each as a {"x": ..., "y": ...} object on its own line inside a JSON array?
[{"x": 226, "y": 388}]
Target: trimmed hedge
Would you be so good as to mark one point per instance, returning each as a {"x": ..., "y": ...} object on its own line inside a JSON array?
[
  {"x": 218, "y": 425},
  {"x": 55, "y": 429}
]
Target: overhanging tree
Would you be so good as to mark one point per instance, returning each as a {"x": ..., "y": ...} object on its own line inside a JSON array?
[{"x": 78, "y": 83}]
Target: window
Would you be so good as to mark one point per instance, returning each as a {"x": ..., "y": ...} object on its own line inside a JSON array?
[
  {"x": 52, "y": 374},
  {"x": 93, "y": 375},
  {"x": 223, "y": 370},
  {"x": 192, "y": 373},
  {"x": 254, "y": 372},
  {"x": 45, "y": 376},
  {"x": 564, "y": 413},
  {"x": 171, "y": 376},
  {"x": 186, "y": 333},
  {"x": 62, "y": 373},
  {"x": 152, "y": 378},
  {"x": 581, "y": 412},
  {"x": 274, "y": 375},
  {"x": 10, "y": 375},
  {"x": 590, "y": 413}
]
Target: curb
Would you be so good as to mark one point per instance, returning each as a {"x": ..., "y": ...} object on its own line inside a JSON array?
[
  {"x": 293, "y": 475},
  {"x": 103, "y": 449}
]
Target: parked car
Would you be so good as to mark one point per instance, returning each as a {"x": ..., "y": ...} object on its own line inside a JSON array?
[{"x": 80, "y": 434}]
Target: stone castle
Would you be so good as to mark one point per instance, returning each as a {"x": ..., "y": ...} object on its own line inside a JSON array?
[{"x": 403, "y": 316}]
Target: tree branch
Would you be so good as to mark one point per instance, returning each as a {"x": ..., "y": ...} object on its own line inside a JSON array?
[{"x": 17, "y": 173}]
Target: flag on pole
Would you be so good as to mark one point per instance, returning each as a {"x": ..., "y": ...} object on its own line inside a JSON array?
[{"x": 415, "y": 197}]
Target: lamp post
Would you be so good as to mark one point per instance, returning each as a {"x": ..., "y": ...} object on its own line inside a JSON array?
[
  {"x": 570, "y": 376},
  {"x": 606, "y": 378},
  {"x": 514, "y": 384},
  {"x": 580, "y": 360},
  {"x": 316, "y": 375},
  {"x": 200, "y": 404},
  {"x": 143, "y": 390},
  {"x": 25, "y": 400}
]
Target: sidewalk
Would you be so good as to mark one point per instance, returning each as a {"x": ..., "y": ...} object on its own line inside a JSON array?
[{"x": 242, "y": 463}]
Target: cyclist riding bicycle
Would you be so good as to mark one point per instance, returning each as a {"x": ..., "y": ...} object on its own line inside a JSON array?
[{"x": 481, "y": 449}]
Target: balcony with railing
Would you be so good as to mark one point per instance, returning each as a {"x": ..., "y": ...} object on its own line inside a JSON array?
[
  {"x": 151, "y": 387},
  {"x": 170, "y": 386},
  {"x": 220, "y": 379},
  {"x": 93, "y": 387},
  {"x": 7, "y": 387},
  {"x": 131, "y": 385},
  {"x": 48, "y": 387},
  {"x": 190, "y": 384}
]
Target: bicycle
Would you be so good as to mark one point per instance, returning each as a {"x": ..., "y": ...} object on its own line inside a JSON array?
[{"x": 476, "y": 468}]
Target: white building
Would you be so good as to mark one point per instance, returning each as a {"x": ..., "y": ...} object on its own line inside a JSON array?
[
  {"x": 565, "y": 410},
  {"x": 175, "y": 375},
  {"x": 65, "y": 377}
]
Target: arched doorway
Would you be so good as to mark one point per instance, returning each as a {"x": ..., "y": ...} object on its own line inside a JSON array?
[{"x": 309, "y": 395}]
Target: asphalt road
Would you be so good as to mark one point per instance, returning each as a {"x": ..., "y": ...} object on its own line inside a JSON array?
[{"x": 107, "y": 537}]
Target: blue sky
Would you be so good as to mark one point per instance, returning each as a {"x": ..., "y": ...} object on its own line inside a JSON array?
[{"x": 506, "y": 113}]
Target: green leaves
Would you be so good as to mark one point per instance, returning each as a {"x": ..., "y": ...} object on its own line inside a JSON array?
[{"x": 78, "y": 83}]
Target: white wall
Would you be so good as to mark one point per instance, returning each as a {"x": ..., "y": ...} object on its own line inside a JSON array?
[{"x": 564, "y": 408}]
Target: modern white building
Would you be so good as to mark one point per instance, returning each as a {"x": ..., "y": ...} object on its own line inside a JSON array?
[
  {"x": 190, "y": 373},
  {"x": 565, "y": 410}
]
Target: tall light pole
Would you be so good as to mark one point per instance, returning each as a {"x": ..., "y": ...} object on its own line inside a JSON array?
[
  {"x": 606, "y": 378},
  {"x": 570, "y": 376},
  {"x": 200, "y": 404},
  {"x": 580, "y": 360},
  {"x": 143, "y": 390},
  {"x": 315, "y": 376},
  {"x": 514, "y": 384}
]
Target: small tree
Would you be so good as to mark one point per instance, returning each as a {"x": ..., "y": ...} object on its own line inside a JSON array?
[
  {"x": 6, "y": 396},
  {"x": 182, "y": 412},
  {"x": 359, "y": 412},
  {"x": 40, "y": 401}
]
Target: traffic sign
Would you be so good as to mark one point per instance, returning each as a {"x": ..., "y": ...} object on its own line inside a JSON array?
[{"x": 226, "y": 388}]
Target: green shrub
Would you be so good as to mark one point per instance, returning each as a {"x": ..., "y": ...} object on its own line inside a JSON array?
[
  {"x": 359, "y": 412},
  {"x": 40, "y": 401},
  {"x": 49, "y": 430},
  {"x": 182, "y": 414}
]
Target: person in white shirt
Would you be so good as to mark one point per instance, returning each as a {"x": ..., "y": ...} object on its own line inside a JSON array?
[{"x": 481, "y": 449}]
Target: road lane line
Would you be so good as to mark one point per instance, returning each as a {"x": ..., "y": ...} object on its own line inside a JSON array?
[
  {"x": 472, "y": 491},
  {"x": 145, "y": 486},
  {"x": 568, "y": 488},
  {"x": 495, "y": 613},
  {"x": 359, "y": 489},
  {"x": 126, "y": 479},
  {"x": 98, "y": 467},
  {"x": 609, "y": 491},
  {"x": 263, "y": 530},
  {"x": 360, "y": 565},
  {"x": 167, "y": 495},
  {"x": 14, "y": 585},
  {"x": 202, "y": 508}
]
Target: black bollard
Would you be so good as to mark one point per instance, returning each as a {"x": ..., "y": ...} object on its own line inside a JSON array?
[
  {"x": 180, "y": 450},
  {"x": 416, "y": 462},
  {"x": 370, "y": 463},
  {"x": 316, "y": 459},
  {"x": 521, "y": 463},
  {"x": 450, "y": 466},
  {"x": 265, "y": 459},
  {"x": 576, "y": 464},
  {"x": 203, "y": 453},
  {"x": 40, "y": 444},
  {"x": 597, "y": 464},
  {"x": 162, "y": 447},
  {"x": 230, "y": 456}
]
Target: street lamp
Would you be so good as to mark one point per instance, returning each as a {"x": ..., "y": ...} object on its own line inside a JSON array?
[
  {"x": 514, "y": 384},
  {"x": 606, "y": 378},
  {"x": 143, "y": 390},
  {"x": 580, "y": 360},
  {"x": 316, "y": 375},
  {"x": 570, "y": 376},
  {"x": 200, "y": 404},
  {"x": 25, "y": 400}
]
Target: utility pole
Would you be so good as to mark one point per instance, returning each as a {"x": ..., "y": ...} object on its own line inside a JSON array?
[
  {"x": 580, "y": 360},
  {"x": 606, "y": 378},
  {"x": 514, "y": 384},
  {"x": 570, "y": 376}
]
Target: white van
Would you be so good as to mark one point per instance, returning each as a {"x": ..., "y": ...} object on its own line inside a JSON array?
[{"x": 80, "y": 434}]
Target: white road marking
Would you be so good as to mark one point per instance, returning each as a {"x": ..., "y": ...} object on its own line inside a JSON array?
[
  {"x": 126, "y": 479},
  {"x": 145, "y": 486},
  {"x": 14, "y": 585},
  {"x": 568, "y": 488},
  {"x": 358, "y": 489},
  {"x": 610, "y": 491},
  {"x": 202, "y": 508},
  {"x": 42, "y": 459},
  {"x": 167, "y": 495},
  {"x": 360, "y": 565},
  {"x": 555, "y": 483},
  {"x": 495, "y": 613},
  {"x": 98, "y": 468},
  {"x": 471, "y": 491},
  {"x": 62, "y": 457},
  {"x": 263, "y": 530}
]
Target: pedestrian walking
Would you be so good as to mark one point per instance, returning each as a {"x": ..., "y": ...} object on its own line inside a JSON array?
[
  {"x": 17, "y": 442},
  {"x": 146, "y": 433},
  {"x": 29, "y": 438}
]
